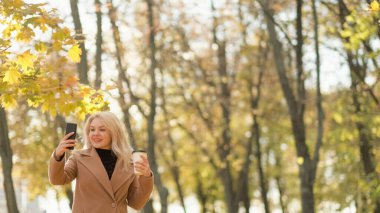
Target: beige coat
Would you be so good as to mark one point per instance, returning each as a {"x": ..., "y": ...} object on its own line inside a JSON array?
[{"x": 94, "y": 192}]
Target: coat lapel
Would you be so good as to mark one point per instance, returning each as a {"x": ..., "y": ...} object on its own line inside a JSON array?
[
  {"x": 91, "y": 160},
  {"x": 120, "y": 176}
]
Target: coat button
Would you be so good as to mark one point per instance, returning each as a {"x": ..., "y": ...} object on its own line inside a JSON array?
[{"x": 113, "y": 205}]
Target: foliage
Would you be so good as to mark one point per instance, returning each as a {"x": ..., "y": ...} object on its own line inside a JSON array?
[
  {"x": 374, "y": 6},
  {"x": 35, "y": 48},
  {"x": 359, "y": 28}
]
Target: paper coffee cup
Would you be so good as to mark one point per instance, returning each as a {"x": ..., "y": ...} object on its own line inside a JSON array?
[{"x": 136, "y": 157}]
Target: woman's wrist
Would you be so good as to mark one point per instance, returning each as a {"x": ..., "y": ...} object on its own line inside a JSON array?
[
  {"x": 56, "y": 157},
  {"x": 149, "y": 175}
]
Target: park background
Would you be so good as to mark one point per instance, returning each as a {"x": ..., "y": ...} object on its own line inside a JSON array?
[{"x": 242, "y": 105}]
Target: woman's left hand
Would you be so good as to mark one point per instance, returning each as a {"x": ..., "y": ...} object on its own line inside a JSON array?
[{"x": 142, "y": 166}]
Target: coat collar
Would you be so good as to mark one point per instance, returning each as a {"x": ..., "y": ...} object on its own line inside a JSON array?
[
  {"x": 120, "y": 175},
  {"x": 91, "y": 160}
]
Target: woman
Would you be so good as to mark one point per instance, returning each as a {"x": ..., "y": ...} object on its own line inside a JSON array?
[{"x": 105, "y": 179}]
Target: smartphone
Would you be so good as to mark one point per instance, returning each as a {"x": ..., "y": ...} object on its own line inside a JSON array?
[{"x": 71, "y": 127}]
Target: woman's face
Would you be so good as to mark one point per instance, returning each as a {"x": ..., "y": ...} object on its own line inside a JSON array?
[{"x": 99, "y": 135}]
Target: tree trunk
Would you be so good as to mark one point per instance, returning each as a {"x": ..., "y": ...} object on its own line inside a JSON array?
[
  {"x": 243, "y": 189},
  {"x": 174, "y": 167},
  {"x": 295, "y": 108},
  {"x": 82, "y": 65},
  {"x": 365, "y": 146},
  {"x": 320, "y": 113},
  {"x": 70, "y": 195},
  {"x": 7, "y": 164},
  {"x": 122, "y": 76},
  {"x": 260, "y": 169},
  {"x": 162, "y": 190},
  {"x": 148, "y": 207},
  {"x": 202, "y": 197},
  {"x": 224, "y": 146},
  {"x": 256, "y": 128},
  {"x": 254, "y": 139},
  {"x": 99, "y": 42},
  {"x": 280, "y": 185}
]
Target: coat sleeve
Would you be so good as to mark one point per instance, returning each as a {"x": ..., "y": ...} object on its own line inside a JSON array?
[
  {"x": 61, "y": 173},
  {"x": 139, "y": 191}
]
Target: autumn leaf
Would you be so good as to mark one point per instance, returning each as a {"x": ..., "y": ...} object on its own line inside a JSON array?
[
  {"x": 338, "y": 118},
  {"x": 82, "y": 115},
  {"x": 71, "y": 81},
  {"x": 111, "y": 87},
  {"x": 40, "y": 47},
  {"x": 17, "y": 3},
  {"x": 26, "y": 60},
  {"x": 8, "y": 101},
  {"x": 374, "y": 6},
  {"x": 12, "y": 76},
  {"x": 53, "y": 111},
  {"x": 33, "y": 103},
  {"x": 85, "y": 90},
  {"x": 25, "y": 34},
  {"x": 300, "y": 160},
  {"x": 74, "y": 54}
]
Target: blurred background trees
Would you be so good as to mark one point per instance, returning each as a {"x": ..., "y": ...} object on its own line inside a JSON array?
[{"x": 245, "y": 106}]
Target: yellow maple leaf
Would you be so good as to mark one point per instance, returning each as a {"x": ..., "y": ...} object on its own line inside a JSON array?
[
  {"x": 85, "y": 90},
  {"x": 81, "y": 115},
  {"x": 12, "y": 76},
  {"x": 45, "y": 106},
  {"x": 40, "y": 47},
  {"x": 17, "y": 3},
  {"x": 74, "y": 53},
  {"x": 374, "y": 6},
  {"x": 8, "y": 101},
  {"x": 300, "y": 160},
  {"x": 25, "y": 34},
  {"x": 26, "y": 60}
]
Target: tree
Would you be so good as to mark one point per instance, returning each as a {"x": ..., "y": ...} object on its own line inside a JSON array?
[
  {"x": 99, "y": 42},
  {"x": 296, "y": 104},
  {"x": 82, "y": 66},
  {"x": 163, "y": 192},
  {"x": 358, "y": 73},
  {"x": 6, "y": 159}
]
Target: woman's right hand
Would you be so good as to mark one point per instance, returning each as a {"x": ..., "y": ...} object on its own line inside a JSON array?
[{"x": 64, "y": 145}]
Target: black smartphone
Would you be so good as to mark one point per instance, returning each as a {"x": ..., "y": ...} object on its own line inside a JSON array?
[{"x": 71, "y": 127}]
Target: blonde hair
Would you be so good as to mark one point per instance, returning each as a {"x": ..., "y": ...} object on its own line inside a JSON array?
[{"x": 119, "y": 143}]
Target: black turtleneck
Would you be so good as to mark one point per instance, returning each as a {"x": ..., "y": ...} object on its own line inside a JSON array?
[{"x": 108, "y": 159}]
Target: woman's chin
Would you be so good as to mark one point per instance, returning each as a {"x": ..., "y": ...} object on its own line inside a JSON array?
[{"x": 100, "y": 146}]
